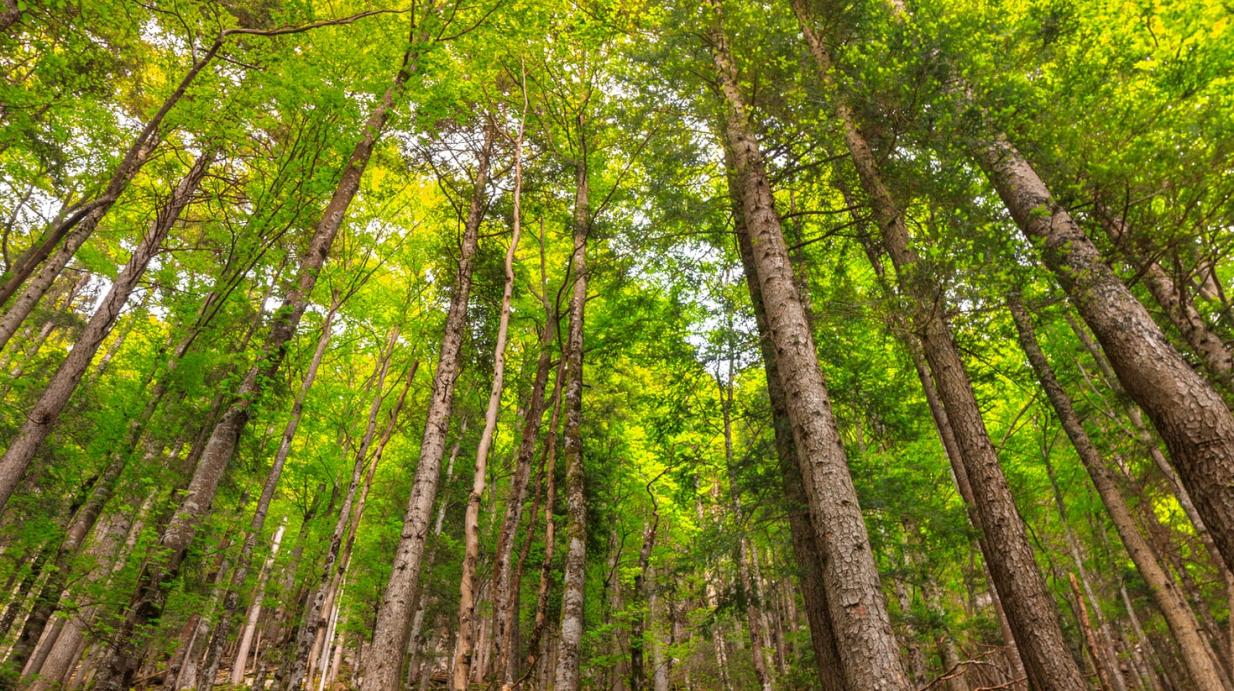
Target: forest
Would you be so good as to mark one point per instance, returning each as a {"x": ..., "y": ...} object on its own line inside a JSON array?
[{"x": 635, "y": 345}]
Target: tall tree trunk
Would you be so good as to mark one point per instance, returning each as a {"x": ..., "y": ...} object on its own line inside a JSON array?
[
  {"x": 805, "y": 546},
  {"x": 1198, "y": 657},
  {"x": 869, "y": 653},
  {"x": 381, "y": 667},
  {"x": 464, "y": 646},
  {"x": 422, "y": 598},
  {"x": 147, "y": 603},
  {"x": 566, "y": 677},
  {"x": 1030, "y": 608},
  {"x": 1192, "y": 418},
  {"x": 643, "y": 590},
  {"x": 231, "y": 599},
  {"x": 43, "y": 416},
  {"x": 240, "y": 665}
]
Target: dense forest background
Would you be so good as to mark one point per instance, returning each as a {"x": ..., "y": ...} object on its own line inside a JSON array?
[{"x": 610, "y": 344}]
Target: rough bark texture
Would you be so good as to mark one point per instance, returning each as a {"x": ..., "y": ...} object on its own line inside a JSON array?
[
  {"x": 1177, "y": 305},
  {"x": 869, "y": 653},
  {"x": 148, "y": 601},
  {"x": 1029, "y": 606},
  {"x": 1190, "y": 415},
  {"x": 567, "y": 674},
  {"x": 381, "y": 667},
  {"x": 805, "y": 547},
  {"x": 43, "y": 416},
  {"x": 1199, "y": 659},
  {"x": 464, "y": 645}
]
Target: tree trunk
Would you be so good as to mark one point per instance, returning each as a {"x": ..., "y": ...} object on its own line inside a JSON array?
[
  {"x": 240, "y": 665},
  {"x": 231, "y": 600},
  {"x": 566, "y": 677},
  {"x": 1029, "y": 606},
  {"x": 805, "y": 547},
  {"x": 380, "y": 670},
  {"x": 1198, "y": 657},
  {"x": 464, "y": 646},
  {"x": 869, "y": 654},
  {"x": 1192, "y": 418},
  {"x": 43, "y": 416},
  {"x": 147, "y": 603}
]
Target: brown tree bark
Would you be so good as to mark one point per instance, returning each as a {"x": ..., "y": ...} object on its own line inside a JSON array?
[
  {"x": 1199, "y": 659},
  {"x": 1192, "y": 418},
  {"x": 566, "y": 677},
  {"x": 464, "y": 645},
  {"x": 147, "y": 603},
  {"x": 381, "y": 667},
  {"x": 44, "y": 414},
  {"x": 805, "y": 548},
  {"x": 869, "y": 654},
  {"x": 1028, "y": 604}
]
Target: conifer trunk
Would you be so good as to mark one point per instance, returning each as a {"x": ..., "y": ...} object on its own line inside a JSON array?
[
  {"x": 1198, "y": 658},
  {"x": 869, "y": 654}
]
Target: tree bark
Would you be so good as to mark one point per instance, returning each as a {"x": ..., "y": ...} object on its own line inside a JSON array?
[
  {"x": 381, "y": 667},
  {"x": 505, "y": 588},
  {"x": 464, "y": 646},
  {"x": 869, "y": 653},
  {"x": 1198, "y": 657},
  {"x": 1029, "y": 606},
  {"x": 566, "y": 677},
  {"x": 805, "y": 547},
  {"x": 240, "y": 665},
  {"x": 43, "y": 416},
  {"x": 1192, "y": 418},
  {"x": 147, "y": 603}
]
